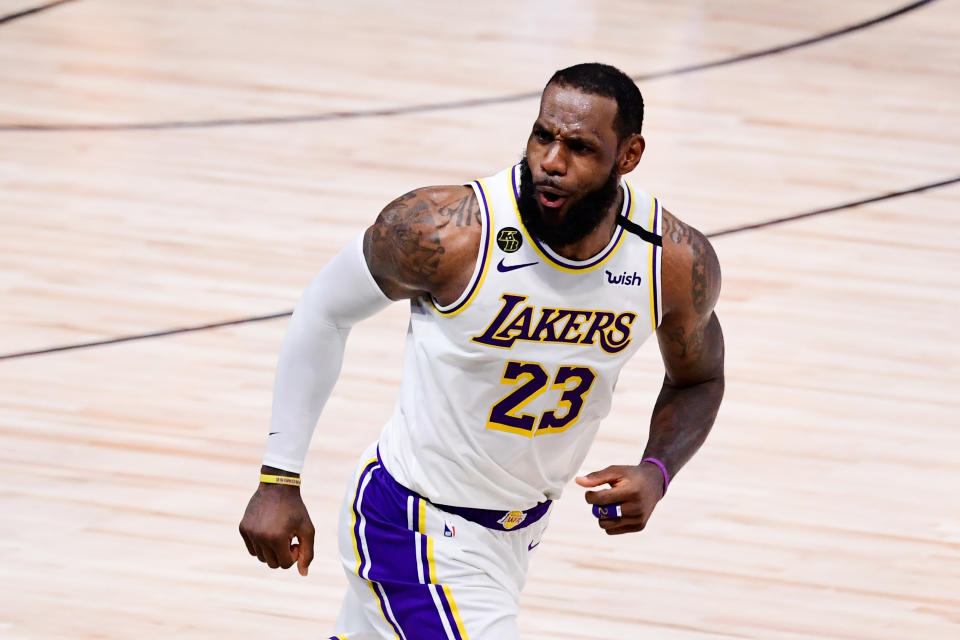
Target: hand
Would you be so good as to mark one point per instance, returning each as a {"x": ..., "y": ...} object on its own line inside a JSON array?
[
  {"x": 274, "y": 516},
  {"x": 637, "y": 488}
]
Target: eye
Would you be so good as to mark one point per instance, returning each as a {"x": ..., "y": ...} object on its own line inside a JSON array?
[
  {"x": 578, "y": 146},
  {"x": 542, "y": 136}
]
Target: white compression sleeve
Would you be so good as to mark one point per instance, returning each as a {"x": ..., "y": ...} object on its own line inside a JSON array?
[{"x": 342, "y": 294}]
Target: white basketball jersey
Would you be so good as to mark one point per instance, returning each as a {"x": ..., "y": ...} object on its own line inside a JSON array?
[{"x": 504, "y": 389}]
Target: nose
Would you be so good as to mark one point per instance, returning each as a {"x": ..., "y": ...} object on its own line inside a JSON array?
[{"x": 554, "y": 161}]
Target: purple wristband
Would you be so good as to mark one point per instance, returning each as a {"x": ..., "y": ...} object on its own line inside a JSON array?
[{"x": 663, "y": 470}]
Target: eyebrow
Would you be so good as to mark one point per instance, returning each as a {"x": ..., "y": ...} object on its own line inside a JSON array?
[{"x": 590, "y": 139}]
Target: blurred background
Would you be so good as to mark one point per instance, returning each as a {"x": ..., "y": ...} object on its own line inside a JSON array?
[{"x": 190, "y": 165}]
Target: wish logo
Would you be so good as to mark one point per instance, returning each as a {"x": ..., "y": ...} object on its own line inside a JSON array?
[{"x": 624, "y": 278}]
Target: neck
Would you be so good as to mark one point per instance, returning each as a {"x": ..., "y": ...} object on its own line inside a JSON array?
[{"x": 599, "y": 238}]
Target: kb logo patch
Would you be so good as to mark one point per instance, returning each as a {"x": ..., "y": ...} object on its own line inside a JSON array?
[{"x": 509, "y": 239}]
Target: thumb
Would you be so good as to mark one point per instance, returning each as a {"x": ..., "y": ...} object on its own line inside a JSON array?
[
  {"x": 304, "y": 553},
  {"x": 595, "y": 479}
]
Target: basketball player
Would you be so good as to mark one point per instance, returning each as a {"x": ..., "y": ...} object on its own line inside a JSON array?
[{"x": 528, "y": 292}]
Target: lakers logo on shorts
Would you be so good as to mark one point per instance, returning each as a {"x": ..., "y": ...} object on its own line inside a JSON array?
[
  {"x": 509, "y": 239},
  {"x": 512, "y": 519}
]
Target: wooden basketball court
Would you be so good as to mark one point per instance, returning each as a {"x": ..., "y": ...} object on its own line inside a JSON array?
[{"x": 183, "y": 164}]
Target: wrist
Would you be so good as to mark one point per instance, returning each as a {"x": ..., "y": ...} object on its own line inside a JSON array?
[
  {"x": 663, "y": 471},
  {"x": 274, "y": 471},
  {"x": 274, "y": 476}
]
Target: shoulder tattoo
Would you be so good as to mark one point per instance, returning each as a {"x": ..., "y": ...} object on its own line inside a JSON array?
[
  {"x": 463, "y": 212},
  {"x": 705, "y": 270},
  {"x": 407, "y": 240}
]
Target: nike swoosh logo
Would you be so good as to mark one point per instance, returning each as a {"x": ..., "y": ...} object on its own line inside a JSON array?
[
  {"x": 503, "y": 268},
  {"x": 531, "y": 546},
  {"x": 273, "y": 432}
]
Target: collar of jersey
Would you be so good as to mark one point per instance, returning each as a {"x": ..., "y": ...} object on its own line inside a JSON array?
[{"x": 556, "y": 260}]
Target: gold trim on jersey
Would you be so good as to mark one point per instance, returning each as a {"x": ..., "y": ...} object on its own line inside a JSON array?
[
  {"x": 651, "y": 266},
  {"x": 371, "y": 464},
  {"x": 433, "y": 578},
  {"x": 485, "y": 256}
]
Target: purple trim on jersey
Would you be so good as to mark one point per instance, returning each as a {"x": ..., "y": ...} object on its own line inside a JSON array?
[
  {"x": 393, "y": 550},
  {"x": 358, "y": 504},
  {"x": 546, "y": 251},
  {"x": 428, "y": 579},
  {"x": 388, "y": 611},
  {"x": 653, "y": 267},
  {"x": 484, "y": 255},
  {"x": 448, "y": 612},
  {"x": 356, "y": 514}
]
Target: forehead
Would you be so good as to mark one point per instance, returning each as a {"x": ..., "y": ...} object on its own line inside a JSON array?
[{"x": 569, "y": 111}]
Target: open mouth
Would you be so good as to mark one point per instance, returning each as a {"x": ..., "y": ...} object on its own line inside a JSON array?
[{"x": 550, "y": 199}]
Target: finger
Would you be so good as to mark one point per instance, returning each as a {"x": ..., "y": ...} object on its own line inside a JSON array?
[
  {"x": 283, "y": 552},
  {"x": 270, "y": 557},
  {"x": 627, "y": 510},
  {"x": 597, "y": 478},
  {"x": 607, "y": 511},
  {"x": 622, "y": 495},
  {"x": 258, "y": 551},
  {"x": 624, "y": 529},
  {"x": 247, "y": 542},
  {"x": 305, "y": 550},
  {"x": 618, "y": 523}
]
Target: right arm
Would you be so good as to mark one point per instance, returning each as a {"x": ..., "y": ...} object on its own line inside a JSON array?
[
  {"x": 416, "y": 246},
  {"x": 406, "y": 253},
  {"x": 425, "y": 242}
]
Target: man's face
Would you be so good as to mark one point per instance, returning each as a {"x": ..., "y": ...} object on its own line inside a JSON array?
[{"x": 569, "y": 178}]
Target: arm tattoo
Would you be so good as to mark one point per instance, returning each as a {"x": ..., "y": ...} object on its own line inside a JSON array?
[
  {"x": 408, "y": 237},
  {"x": 463, "y": 212},
  {"x": 703, "y": 276},
  {"x": 699, "y": 276},
  {"x": 398, "y": 235},
  {"x": 685, "y": 346}
]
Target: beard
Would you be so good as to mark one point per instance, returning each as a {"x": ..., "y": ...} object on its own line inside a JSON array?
[{"x": 582, "y": 218}]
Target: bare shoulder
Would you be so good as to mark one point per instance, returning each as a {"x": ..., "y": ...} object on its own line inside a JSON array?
[
  {"x": 690, "y": 269},
  {"x": 425, "y": 241}
]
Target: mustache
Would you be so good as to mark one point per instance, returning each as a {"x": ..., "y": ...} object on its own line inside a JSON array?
[{"x": 546, "y": 182}]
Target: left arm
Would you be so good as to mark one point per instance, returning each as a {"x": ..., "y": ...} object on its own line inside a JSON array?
[{"x": 691, "y": 344}]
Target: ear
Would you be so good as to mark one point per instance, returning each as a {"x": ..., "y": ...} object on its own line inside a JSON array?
[{"x": 629, "y": 155}]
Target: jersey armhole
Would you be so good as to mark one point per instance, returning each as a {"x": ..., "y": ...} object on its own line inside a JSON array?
[
  {"x": 483, "y": 259},
  {"x": 656, "y": 262}
]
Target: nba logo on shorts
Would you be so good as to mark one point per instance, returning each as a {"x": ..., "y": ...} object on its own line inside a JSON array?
[
  {"x": 449, "y": 531},
  {"x": 512, "y": 519}
]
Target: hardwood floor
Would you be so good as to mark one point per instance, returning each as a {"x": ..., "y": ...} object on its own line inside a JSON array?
[{"x": 172, "y": 165}]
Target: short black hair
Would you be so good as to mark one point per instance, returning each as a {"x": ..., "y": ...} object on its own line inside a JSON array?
[{"x": 604, "y": 80}]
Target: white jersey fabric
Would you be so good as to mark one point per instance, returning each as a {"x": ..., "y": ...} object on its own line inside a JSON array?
[{"x": 504, "y": 389}]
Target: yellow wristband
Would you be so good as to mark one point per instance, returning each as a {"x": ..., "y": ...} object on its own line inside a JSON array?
[{"x": 279, "y": 480}]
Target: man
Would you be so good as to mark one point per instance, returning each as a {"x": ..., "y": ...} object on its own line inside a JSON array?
[{"x": 529, "y": 291}]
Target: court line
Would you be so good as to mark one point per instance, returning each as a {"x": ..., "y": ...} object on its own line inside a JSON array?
[
  {"x": 144, "y": 336},
  {"x": 838, "y": 207},
  {"x": 458, "y": 104},
  {"x": 283, "y": 314},
  {"x": 27, "y": 12}
]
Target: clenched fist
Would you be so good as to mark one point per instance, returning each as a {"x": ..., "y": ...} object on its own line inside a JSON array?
[
  {"x": 636, "y": 488},
  {"x": 275, "y": 516}
]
